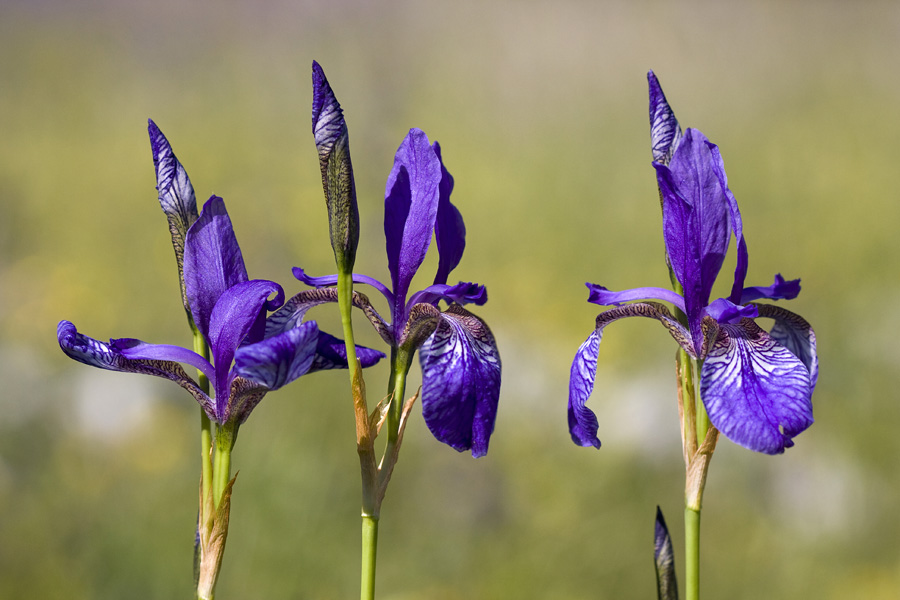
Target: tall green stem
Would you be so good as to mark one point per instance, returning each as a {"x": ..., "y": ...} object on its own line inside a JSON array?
[
  {"x": 692, "y": 553},
  {"x": 221, "y": 468},
  {"x": 369, "y": 547},
  {"x": 202, "y": 348}
]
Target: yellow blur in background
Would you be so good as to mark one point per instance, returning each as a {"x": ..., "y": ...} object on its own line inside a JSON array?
[{"x": 541, "y": 112}]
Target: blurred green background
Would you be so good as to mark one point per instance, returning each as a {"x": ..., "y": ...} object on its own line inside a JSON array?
[{"x": 541, "y": 110}]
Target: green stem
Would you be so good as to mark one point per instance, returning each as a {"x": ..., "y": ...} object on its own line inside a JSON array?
[
  {"x": 369, "y": 545},
  {"x": 703, "y": 423},
  {"x": 221, "y": 468},
  {"x": 400, "y": 364},
  {"x": 202, "y": 348},
  {"x": 692, "y": 554}
]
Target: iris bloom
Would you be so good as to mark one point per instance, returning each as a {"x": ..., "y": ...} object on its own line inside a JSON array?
[
  {"x": 756, "y": 385},
  {"x": 458, "y": 354},
  {"x": 229, "y": 309}
]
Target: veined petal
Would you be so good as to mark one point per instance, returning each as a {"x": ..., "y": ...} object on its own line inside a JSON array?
[
  {"x": 755, "y": 390},
  {"x": 665, "y": 133},
  {"x": 176, "y": 195},
  {"x": 331, "y": 353},
  {"x": 461, "y": 381},
  {"x": 779, "y": 290},
  {"x": 582, "y": 420},
  {"x": 737, "y": 224},
  {"x": 464, "y": 292},
  {"x": 105, "y": 356},
  {"x": 212, "y": 261},
  {"x": 583, "y": 423},
  {"x": 410, "y": 209},
  {"x": 138, "y": 350},
  {"x": 237, "y": 311},
  {"x": 333, "y": 144},
  {"x": 604, "y": 297},
  {"x": 449, "y": 229},
  {"x": 794, "y": 333},
  {"x": 293, "y": 311},
  {"x": 695, "y": 222},
  {"x": 279, "y": 360}
]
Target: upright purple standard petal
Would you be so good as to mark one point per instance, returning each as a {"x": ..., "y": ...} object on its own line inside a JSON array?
[
  {"x": 665, "y": 133},
  {"x": 212, "y": 261},
  {"x": 449, "y": 229},
  {"x": 737, "y": 224},
  {"x": 410, "y": 209},
  {"x": 755, "y": 390},
  {"x": 695, "y": 222},
  {"x": 461, "y": 381}
]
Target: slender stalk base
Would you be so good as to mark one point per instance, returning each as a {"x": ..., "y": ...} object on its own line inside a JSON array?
[
  {"x": 369, "y": 546},
  {"x": 692, "y": 554}
]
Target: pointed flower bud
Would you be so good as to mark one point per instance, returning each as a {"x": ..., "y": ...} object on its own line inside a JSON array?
[
  {"x": 176, "y": 197},
  {"x": 664, "y": 556},
  {"x": 333, "y": 144}
]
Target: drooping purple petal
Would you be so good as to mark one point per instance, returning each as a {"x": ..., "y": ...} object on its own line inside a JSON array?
[
  {"x": 95, "y": 353},
  {"x": 794, "y": 333},
  {"x": 212, "y": 261},
  {"x": 737, "y": 224},
  {"x": 279, "y": 360},
  {"x": 449, "y": 229},
  {"x": 695, "y": 222},
  {"x": 582, "y": 421},
  {"x": 665, "y": 133},
  {"x": 410, "y": 210},
  {"x": 236, "y": 312},
  {"x": 464, "y": 292},
  {"x": 604, "y": 297},
  {"x": 779, "y": 290},
  {"x": 333, "y": 144},
  {"x": 755, "y": 390},
  {"x": 138, "y": 350},
  {"x": 293, "y": 311},
  {"x": 331, "y": 353},
  {"x": 461, "y": 381}
]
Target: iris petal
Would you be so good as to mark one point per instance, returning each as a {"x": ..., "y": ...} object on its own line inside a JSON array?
[
  {"x": 331, "y": 353},
  {"x": 212, "y": 261},
  {"x": 794, "y": 333},
  {"x": 779, "y": 290},
  {"x": 665, "y": 133},
  {"x": 410, "y": 210},
  {"x": 755, "y": 390},
  {"x": 278, "y": 360},
  {"x": 236, "y": 312},
  {"x": 604, "y": 297},
  {"x": 449, "y": 229},
  {"x": 737, "y": 224},
  {"x": 138, "y": 350},
  {"x": 95, "y": 353},
  {"x": 582, "y": 420},
  {"x": 583, "y": 423},
  {"x": 461, "y": 381}
]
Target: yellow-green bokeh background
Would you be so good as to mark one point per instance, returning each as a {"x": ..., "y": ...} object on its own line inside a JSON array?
[{"x": 541, "y": 110}]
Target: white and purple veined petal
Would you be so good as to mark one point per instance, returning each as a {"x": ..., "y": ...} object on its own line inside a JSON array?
[
  {"x": 410, "y": 209},
  {"x": 756, "y": 392},
  {"x": 213, "y": 261},
  {"x": 449, "y": 228},
  {"x": 461, "y": 381},
  {"x": 665, "y": 132},
  {"x": 583, "y": 423},
  {"x": 98, "y": 354},
  {"x": 794, "y": 333}
]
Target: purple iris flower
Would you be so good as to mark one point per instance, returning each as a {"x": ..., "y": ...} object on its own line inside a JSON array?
[
  {"x": 250, "y": 354},
  {"x": 457, "y": 351},
  {"x": 756, "y": 385}
]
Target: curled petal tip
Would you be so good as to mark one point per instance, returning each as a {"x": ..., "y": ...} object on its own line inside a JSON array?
[{"x": 665, "y": 132}]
